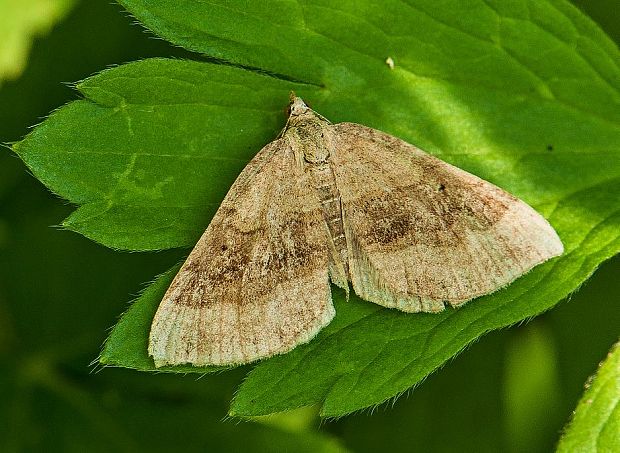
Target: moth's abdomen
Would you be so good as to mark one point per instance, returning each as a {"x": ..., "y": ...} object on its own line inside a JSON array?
[{"x": 324, "y": 182}]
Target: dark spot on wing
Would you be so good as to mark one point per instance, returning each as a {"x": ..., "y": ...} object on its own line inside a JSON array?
[{"x": 418, "y": 214}]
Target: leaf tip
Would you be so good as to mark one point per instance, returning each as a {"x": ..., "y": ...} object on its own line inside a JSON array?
[{"x": 15, "y": 147}]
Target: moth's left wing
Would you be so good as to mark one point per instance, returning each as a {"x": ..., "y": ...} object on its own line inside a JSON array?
[
  {"x": 422, "y": 233},
  {"x": 257, "y": 282}
]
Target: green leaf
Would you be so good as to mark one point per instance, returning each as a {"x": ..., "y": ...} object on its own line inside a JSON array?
[
  {"x": 596, "y": 422},
  {"x": 20, "y": 22},
  {"x": 524, "y": 94},
  {"x": 157, "y": 145}
]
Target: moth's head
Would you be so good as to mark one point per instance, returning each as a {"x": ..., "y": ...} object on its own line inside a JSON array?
[{"x": 297, "y": 106}]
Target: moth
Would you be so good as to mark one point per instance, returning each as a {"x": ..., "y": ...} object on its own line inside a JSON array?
[{"x": 339, "y": 203}]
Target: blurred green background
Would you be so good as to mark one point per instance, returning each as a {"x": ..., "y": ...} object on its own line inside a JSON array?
[{"x": 60, "y": 293}]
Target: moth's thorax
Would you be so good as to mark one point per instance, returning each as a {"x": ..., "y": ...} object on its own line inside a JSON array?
[
  {"x": 311, "y": 139},
  {"x": 308, "y": 136}
]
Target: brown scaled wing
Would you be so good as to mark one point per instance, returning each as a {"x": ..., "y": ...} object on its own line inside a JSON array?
[
  {"x": 257, "y": 283},
  {"x": 422, "y": 233}
]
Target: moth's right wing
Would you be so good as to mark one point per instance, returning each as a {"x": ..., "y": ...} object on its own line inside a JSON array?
[
  {"x": 256, "y": 283},
  {"x": 421, "y": 232}
]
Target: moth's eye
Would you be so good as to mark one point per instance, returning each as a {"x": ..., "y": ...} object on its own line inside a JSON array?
[{"x": 292, "y": 110}]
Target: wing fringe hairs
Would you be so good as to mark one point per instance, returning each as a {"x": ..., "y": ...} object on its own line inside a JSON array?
[{"x": 341, "y": 203}]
